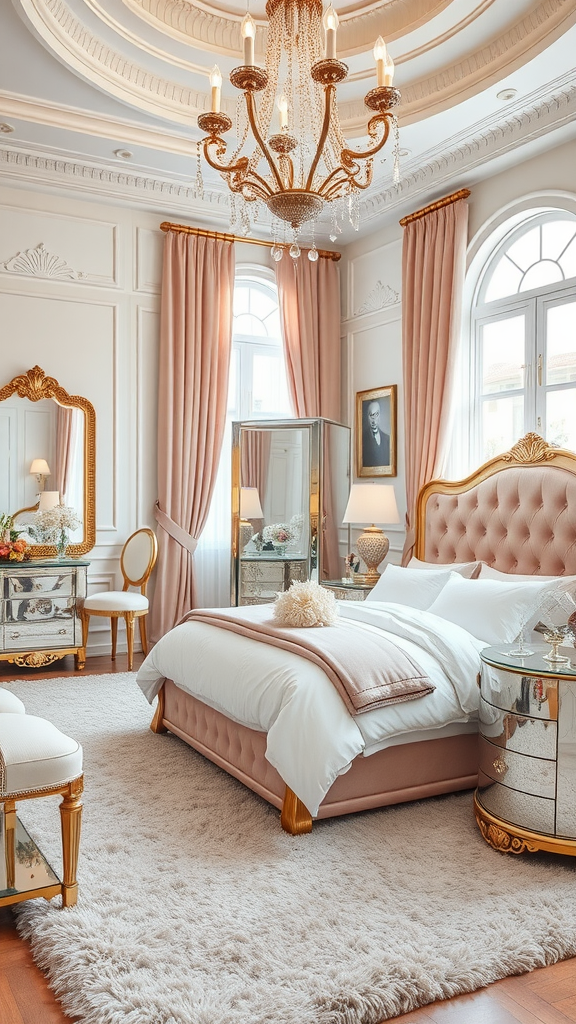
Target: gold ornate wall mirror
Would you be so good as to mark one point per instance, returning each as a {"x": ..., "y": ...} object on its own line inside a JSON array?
[{"x": 42, "y": 428}]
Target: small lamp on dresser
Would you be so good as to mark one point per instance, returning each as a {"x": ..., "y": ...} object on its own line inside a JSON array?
[
  {"x": 372, "y": 503},
  {"x": 250, "y": 508}
]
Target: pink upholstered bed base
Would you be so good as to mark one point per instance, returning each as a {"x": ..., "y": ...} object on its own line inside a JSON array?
[{"x": 391, "y": 776}]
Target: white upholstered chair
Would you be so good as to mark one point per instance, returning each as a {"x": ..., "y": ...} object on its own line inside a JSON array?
[
  {"x": 137, "y": 561},
  {"x": 37, "y": 760}
]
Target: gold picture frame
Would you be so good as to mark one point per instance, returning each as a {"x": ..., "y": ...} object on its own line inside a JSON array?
[{"x": 376, "y": 440}]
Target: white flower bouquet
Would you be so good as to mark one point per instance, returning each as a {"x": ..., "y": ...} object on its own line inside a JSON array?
[
  {"x": 52, "y": 526},
  {"x": 278, "y": 533}
]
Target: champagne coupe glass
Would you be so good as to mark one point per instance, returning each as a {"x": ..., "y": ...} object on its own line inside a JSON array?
[
  {"x": 558, "y": 615},
  {"x": 520, "y": 650}
]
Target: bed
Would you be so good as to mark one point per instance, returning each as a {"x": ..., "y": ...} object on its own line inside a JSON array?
[{"x": 517, "y": 516}]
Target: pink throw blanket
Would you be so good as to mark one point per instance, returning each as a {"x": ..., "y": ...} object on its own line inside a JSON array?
[{"x": 368, "y": 670}]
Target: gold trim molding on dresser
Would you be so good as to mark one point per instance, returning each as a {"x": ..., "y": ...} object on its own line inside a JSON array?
[
  {"x": 526, "y": 797},
  {"x": 40, "y": 605}
]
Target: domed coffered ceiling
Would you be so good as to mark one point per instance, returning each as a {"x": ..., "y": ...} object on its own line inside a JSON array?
[{"x": 103, "y": 95}]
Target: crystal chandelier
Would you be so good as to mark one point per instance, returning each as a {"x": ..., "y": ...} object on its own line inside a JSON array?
[{"x": 299, "y": 162}]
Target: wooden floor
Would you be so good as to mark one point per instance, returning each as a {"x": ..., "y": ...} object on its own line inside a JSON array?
[{"x": 547, "y": 996}]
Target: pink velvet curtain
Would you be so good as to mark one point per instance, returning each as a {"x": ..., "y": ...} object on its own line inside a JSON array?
[
  {"x": 433, "y": 268},
  {"x": 195, "y": 346},
  {"x": 64, "y": 450},
  {"x": 309, "y": 297}
]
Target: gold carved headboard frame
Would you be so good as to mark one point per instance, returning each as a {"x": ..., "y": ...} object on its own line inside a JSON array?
[
  {"x": 35, "y": 385},
  {"x": 517, "y": 512}
]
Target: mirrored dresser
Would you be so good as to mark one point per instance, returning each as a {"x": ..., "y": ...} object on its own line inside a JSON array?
[
  {"x": 40, "y": 605},
  {"x": 526, "y": 796}
]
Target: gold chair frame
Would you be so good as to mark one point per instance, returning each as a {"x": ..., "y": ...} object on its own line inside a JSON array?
[
  {"x": 128, "y": 616},
  {"x": 70, "y": 823}
]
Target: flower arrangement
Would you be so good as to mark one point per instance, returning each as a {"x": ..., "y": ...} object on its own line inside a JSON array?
[
  {"x": 52, "y": 526},
  {"x": 352, "y": 563},
  {"x": 12, "y": 549},
  {"x": 278, "y": 533}
]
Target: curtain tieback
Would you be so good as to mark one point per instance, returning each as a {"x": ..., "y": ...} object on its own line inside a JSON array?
[{"x": 176, "y": 532}]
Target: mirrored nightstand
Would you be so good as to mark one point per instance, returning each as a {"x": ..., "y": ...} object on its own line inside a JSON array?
[{"x": 347, "y": 591}]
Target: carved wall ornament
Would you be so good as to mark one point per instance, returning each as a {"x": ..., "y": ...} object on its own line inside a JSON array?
[
  {"x": 382, "y": 295},
  {"x": 38, "y": 262},
  {"x": 531, "y": 448}
]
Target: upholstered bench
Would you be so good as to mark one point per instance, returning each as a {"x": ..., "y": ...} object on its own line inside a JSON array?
[{"x": 37, "y": 760}]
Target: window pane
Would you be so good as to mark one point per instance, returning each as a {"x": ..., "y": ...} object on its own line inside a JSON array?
[
  {"x": 273, "y": 324},
  {"x": 568, "y": 260},
  {"x": 249, "y": 325},
  {"x": 555, "y": 237},
  {"x": 561, "y": 344},
  {"x": 503, "y": 355},
  {"x": 505, "y": 280},
  {"x": 541, "y": 274},
  {"x": 526, "y": 250},
  {"x": 561, "y": 418},
  {"x": 502, "y": 424},
  {"x": 269, "y": 389},
  {"x": 261, "y": 303},
  {"x": 241, "y": 299}
]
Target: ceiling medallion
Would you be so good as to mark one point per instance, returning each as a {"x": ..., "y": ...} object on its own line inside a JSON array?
[{"x": 299, "y": 161}]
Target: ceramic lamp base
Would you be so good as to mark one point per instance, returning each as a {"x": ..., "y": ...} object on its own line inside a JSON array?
[
  {"x": 372, "y": 547},
  {"x": 246, "y": 532}
]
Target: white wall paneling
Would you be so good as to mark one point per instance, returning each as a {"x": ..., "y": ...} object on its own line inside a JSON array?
[{"x": 148, "y": 263}]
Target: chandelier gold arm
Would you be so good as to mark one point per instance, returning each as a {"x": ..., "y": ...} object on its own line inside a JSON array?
[
  {"x": 257, "y": 135},
  {"x": 349, "y": 156},
  {"x": 329, "y": 92},
  {"x": 214, "y": 140}
]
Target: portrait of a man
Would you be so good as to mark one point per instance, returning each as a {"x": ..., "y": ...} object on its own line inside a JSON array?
[{"x": 376, "y": 432}]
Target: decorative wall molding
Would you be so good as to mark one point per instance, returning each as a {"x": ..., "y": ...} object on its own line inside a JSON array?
[
  {"x": 382, "y": 295},
  {"x": 38, "y": 262}
]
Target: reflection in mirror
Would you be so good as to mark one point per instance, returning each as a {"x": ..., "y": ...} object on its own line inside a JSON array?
[
  {"x": 47, "y": 442},
  {"x": 284, "y": 472}
]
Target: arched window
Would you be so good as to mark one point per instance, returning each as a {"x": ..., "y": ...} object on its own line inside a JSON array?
[
  {"x": 258, "y": 387},
  {"x": 523, "y": 338}
]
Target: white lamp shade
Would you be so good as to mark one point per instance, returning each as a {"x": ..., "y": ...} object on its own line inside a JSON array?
[
  {"x": 250, "y": 507},
  {"x": 48, "y": 499},
  {"x": 371, "y": 503},
  {"x": 40, "y": 466}
]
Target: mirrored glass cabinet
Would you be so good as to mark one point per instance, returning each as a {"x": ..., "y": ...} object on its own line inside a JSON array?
[{"x": 290, "y": 485}]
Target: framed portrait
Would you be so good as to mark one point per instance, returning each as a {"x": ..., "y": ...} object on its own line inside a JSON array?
[{"x": 376, "y": 432}]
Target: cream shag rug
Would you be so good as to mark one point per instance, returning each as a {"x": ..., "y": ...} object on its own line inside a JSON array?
[{"x": 196, "y": 908}]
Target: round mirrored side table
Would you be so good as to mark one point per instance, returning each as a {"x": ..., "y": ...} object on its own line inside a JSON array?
[{"x": 526, "y": 796}]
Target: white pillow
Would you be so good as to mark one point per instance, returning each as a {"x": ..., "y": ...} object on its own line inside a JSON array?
[
  {"x": 554, "y": 615},
  {"x": 492, "y": 611},
  {"x": 488, "y": 573},
  {"x": 416, "y": 588},
  {"x": 469, "y": 570}
]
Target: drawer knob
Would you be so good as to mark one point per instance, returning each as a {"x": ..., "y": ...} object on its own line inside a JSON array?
[
  {"x": 499, "y": 765},
  {"x": 61, "y": 632},
  {"x": 14, "y": 636}
]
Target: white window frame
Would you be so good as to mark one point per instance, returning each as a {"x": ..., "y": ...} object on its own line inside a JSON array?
[
  {"x": 246, "y": 345},
  {"x": 533, "y": 304}
]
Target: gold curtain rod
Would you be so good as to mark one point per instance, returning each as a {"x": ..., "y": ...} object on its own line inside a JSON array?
[
  {"x": 184, "y": 229},
  {"x": 462, "y": 193}
]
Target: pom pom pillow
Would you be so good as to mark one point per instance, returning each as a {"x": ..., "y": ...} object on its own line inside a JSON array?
[{"x": 305, "y": 604}]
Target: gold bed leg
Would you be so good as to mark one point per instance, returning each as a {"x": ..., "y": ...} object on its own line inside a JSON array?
[
  {"x": 10, "y": 842},
  {"x": 71, "y": 820},
  {"x": 295, "y": 817},
  {"x": 157, "y": 724}
]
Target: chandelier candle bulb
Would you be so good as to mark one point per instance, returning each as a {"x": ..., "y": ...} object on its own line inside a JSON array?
[
  {"x": 216, "y": 86},
  {"x": 388, "y": 70},
  {"x": 380, "y": 55},
  {"x": 282, "y": 104},
  {"x": 330, "y": 20},
  {"x": 248, "y": 35}
]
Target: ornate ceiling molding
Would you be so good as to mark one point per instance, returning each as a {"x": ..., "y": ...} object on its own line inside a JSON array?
[{"x": 126, "y": 79}]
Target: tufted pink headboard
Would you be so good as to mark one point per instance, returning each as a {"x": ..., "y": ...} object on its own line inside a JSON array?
[{"x": 517, "y": 513}]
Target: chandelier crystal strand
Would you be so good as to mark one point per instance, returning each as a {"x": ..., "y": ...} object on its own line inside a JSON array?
[
  {"x": 302, "y": 163},
  {"x": 199, "y": 183},
  {"x": 396, "y": 131}
]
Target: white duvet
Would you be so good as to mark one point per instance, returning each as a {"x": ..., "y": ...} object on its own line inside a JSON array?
[{"x": 311, "y": 736}]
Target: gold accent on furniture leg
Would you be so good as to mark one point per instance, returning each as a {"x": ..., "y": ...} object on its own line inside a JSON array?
[
  {"x": 80, "y": 658},
  {"x": 143, "y": 635},
  {"x": 507, "y": 838},
  {"x": 10, "y": 842},
  {"x": 157, "y": 723},
  {"x": 71, "y": 821},
  {"x": 129, "y": 619},
  {"x": 295, "y": 817},
  {"x": 36, "y": 659}
]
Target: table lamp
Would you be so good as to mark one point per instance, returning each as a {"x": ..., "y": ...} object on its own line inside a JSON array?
[
  {"x": 372, "y": 503},
  {"x": 250, "y": 508},
  {"x": 40, "y": 469},
  {"x": 48, "y": 499}
]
